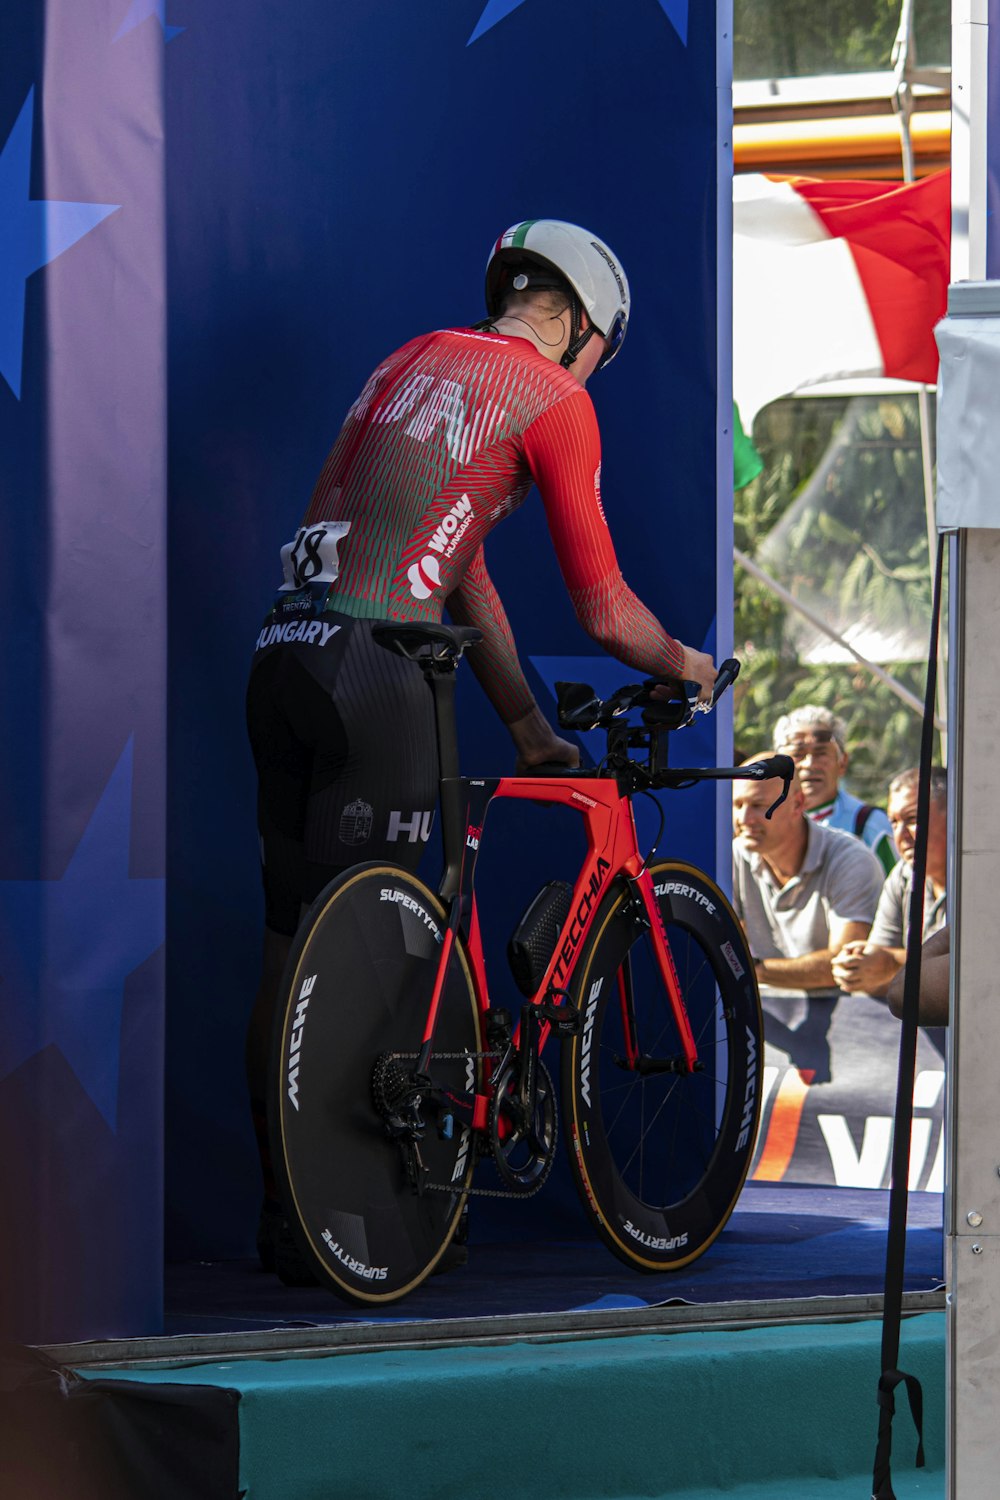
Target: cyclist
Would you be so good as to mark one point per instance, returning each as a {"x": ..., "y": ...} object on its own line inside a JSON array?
[{"x": 445, "y": 439}]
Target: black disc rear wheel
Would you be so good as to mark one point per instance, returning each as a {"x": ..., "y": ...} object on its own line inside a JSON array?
[
  {"x": 660, "y": 1154},
  {"x": 354, "y": 1003}
]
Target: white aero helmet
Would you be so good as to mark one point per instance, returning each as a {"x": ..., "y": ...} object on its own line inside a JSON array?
[{"x": 577, "y": 257}]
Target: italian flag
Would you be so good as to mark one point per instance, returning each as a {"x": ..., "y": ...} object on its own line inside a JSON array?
[{"x": 834, "y": 280}]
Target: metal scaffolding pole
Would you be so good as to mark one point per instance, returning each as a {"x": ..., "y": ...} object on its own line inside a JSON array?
[
  {"x": 969, "y": 460},
  {"x": 972, "y": 1211},
  {"x": 967, "y": 493}
]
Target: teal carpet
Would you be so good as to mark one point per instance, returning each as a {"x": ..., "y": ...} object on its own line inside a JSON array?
[{"x": 776, "y": 1412}]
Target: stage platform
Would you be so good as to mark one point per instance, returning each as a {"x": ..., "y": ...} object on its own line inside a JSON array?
[
  {"x": 789, "y": 1253},
  {"x": 546, "y": 1369},
  {"x": 782, "y": 1243},
  {"x": 772, "y": 1411}
]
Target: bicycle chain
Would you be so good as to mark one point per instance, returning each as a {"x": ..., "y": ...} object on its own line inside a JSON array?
[
  {"x": 472, "y": 1192},
  {"x": 444, "y": 1056},
  {"x": 481, "y": 1192}
]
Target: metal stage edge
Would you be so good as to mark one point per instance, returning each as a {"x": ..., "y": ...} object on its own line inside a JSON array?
[{"x": 443, "y": 1333}]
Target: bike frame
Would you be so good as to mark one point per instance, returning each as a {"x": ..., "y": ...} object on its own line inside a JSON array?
[
  {"x": 612, "y": 852},
  {"x": 604, "y": 802}
]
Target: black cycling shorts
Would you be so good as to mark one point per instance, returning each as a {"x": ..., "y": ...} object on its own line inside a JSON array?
[{"x": 343, "y": 736}]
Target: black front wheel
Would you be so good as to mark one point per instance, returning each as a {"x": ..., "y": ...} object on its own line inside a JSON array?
[
  {"x": 660, "y": 1154},
  {"x": 373, "y": 1162}
]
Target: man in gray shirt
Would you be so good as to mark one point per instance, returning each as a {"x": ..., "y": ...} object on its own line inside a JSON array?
[
  {"x": 802, "y": 891},
  {"x": 871, "y": 966}
]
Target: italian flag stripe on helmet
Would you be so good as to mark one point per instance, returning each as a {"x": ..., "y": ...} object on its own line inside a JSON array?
[{"x": 521, "y": 233}]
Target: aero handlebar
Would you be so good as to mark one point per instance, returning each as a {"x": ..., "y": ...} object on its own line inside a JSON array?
[{"x": 581, "y": 709}]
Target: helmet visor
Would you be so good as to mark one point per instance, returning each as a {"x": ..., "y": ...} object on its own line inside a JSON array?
[{"x": 614, "y": 338}]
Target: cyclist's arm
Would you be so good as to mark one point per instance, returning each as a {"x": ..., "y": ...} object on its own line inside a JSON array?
[
  {"x": 495, "y": 662},
  {"x": 563, "y": 451}
]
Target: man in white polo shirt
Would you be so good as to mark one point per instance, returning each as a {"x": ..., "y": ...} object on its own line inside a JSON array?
[{"x": 800, "y": 889}]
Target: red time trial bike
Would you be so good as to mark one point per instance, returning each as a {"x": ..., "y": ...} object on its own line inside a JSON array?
[{"x": 395, "y": 1079}]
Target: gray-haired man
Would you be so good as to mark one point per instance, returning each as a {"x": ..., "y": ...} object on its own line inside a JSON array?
[{"x": 816, "y": 739}]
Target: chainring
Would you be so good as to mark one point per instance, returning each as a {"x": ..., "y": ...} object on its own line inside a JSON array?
[{"x": 523, "y": 1149}]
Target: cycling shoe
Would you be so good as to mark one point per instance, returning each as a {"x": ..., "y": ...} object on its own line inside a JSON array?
[{"x": 277, "y": 1249}]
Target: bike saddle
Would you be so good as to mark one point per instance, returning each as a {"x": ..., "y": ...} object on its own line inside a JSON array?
[{"x": 427, "y": 642}]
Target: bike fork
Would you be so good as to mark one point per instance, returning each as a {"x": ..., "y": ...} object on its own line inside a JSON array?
[{"x": 650, "y": 908}]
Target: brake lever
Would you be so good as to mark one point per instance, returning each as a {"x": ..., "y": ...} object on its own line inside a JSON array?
[
  {"x": 783, "y": 766},
  {"x": 766, "y": 770},
  {"x": 724, "y": 678}
]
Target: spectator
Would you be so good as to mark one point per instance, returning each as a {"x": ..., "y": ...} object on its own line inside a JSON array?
[
  {"x": 935, "y": 965},
  {"x": 871, "y": 966},
  {"x": 801, "y": 890},
  {"x": 816, "y": 739}
]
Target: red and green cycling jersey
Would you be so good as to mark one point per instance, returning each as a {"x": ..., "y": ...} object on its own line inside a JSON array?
[{"x": 446, "y": 439}]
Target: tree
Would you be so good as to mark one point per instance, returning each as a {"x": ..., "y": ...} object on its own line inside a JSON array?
[
  {"x": 837, "y": 517},
  {"x": 797, "y": 38}
]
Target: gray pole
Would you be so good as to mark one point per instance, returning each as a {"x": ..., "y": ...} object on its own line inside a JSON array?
[
  {"x": 969, "y": 501},
  {"x": 972, "y": 1186},
  {"x": 972, "y": 1208}
]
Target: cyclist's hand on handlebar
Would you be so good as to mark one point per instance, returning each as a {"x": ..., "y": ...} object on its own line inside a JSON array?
[
  {"x": 537, "y": 743},
  {"x": 700, "y": 668},
  {"x": 559, "y": 752}
]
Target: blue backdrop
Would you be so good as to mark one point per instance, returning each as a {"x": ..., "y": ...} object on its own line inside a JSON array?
[
  {"x": 335, "y": 176},
  {"x": 83, "y": 670}
]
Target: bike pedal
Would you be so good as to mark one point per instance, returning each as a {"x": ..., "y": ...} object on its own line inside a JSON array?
[{"x": 564, "y": 1019}]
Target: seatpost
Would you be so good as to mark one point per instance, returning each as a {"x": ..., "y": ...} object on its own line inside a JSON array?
[{"x": 442, "y": 681}]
